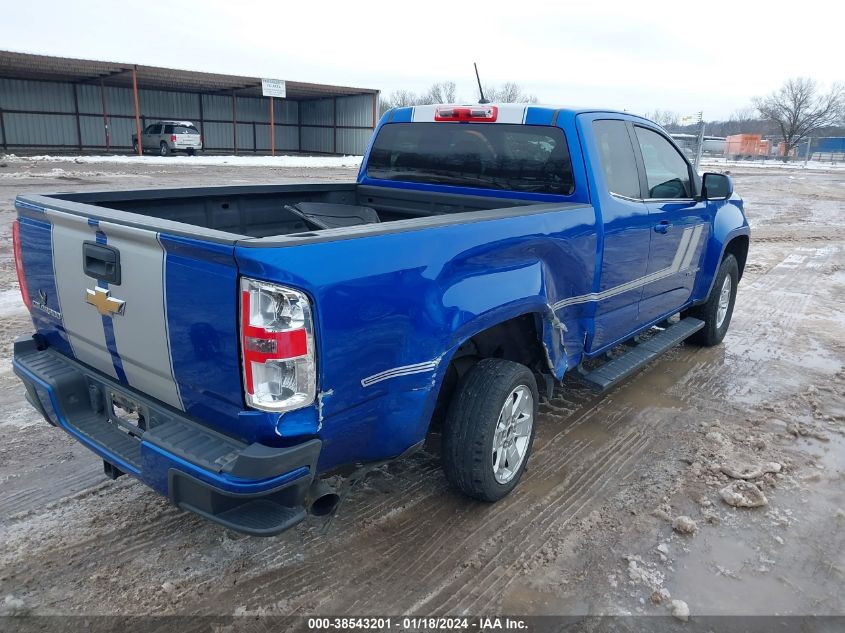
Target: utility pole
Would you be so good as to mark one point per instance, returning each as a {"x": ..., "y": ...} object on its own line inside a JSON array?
[{"x": 700, "y": 139}]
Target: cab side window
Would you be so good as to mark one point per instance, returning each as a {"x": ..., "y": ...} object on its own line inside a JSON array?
[
  {"x": 666, "y": 171},
  {"x": 617, "y": 158}
]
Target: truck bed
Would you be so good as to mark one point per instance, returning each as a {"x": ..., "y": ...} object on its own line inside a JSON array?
[{"x": 232, "y": 213}]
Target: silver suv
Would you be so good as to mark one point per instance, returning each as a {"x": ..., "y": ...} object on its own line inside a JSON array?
[{"x": 169, "y": 136}]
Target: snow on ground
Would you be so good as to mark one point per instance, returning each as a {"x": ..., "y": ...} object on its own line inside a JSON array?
[
  {"x": 197, "y": 161},
  {"x": 11, "y": 302},
  {"x": 334, "y": 161},
  {"x": 771, "y": 164}
]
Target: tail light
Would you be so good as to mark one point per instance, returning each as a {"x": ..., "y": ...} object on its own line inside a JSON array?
[
  {"x": 16, "y": 247},
  {"x": 476, "y": 114},
  {"x": 277, "y": 344},
  {"x": 172, "y": 138}
]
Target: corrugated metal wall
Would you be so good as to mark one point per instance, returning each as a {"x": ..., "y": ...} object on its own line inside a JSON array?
[{"x": 39, "y": 114}]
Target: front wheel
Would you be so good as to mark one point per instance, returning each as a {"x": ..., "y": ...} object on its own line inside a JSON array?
[
  {"x": 490, "y": 428},
  {"x": 716, "y": 312},
  {"x": 135, "y": 147}
]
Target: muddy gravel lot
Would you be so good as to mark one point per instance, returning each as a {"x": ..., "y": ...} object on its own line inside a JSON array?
[{"x": 625, "y": 509}]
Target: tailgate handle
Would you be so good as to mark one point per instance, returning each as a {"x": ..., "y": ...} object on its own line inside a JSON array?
[{"x": 101, "y": 262}]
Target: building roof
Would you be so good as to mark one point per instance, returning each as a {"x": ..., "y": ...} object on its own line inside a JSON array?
[{"x": 47, "y": 68}]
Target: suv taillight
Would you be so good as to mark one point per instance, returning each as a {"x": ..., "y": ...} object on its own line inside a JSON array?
[
  {"x": 16, "y": 247},
  {"x": 172, "y": 138},
  {"x": 277, "y": 346}
]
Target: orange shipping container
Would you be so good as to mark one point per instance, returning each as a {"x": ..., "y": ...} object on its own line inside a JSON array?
[{"x": 743, "y": 145}]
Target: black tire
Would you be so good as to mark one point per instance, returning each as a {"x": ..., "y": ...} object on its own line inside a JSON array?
[
  {"x": 471, "y": 422},
  {"x": 164, "y": 150},
  {"x": 135, "y": 147},
  {"x": 712, "y": 333},
  {"x": 190, "y": 151}
]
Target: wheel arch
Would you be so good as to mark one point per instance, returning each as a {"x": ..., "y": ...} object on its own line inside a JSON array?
[
  {"x": 738, "y": 247},
  {"x": 518, "y": 338},
  {"x": 731, "y": 234}
]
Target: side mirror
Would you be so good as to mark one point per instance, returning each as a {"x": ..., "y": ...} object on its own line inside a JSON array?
[{"x": 716, "y": 186}]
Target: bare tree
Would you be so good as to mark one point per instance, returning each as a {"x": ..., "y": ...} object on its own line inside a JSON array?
[
  {"x": 510, "y": 92},
  {"x": 665, "y": 118},
  {"x": 402, "y": 98},
  {"x": 398, "y": 99},
  {"x": 799, "y": 107},
  {"x": 441, "y": 92}
]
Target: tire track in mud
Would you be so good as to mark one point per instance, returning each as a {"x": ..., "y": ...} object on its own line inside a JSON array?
[
  {"x": 442, "y": 513},
  {"x": 391, "y": 565},
  {"x": 33, "y": 497},
  {"x": 497, "y": 575},
  {"x": 771, "y": 307}
]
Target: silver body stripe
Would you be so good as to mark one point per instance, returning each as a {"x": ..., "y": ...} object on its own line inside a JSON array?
[
  {"x": 693, "y": 247},
  {"x": 83, "y": 325},
  {"x": 140, "y": 333},
  {"x": 682, "y": 249},
  {"x": 404, "y": 370},
  {"x": 687, "y": 247}
]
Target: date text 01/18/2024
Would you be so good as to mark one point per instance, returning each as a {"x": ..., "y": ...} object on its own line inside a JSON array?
[{"x": 418, "y": 623}]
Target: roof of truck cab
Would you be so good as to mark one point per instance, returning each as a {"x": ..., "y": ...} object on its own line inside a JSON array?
[{"x": 528, "y": 113}]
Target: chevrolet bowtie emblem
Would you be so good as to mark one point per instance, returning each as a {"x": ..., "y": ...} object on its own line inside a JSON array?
[{"x": 106, "y": 305}]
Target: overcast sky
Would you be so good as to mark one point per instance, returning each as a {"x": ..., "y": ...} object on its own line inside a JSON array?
[{"x": 638, "y": 56}]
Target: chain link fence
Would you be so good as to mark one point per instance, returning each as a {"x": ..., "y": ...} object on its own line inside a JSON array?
[{"x": 760, "y": 148}]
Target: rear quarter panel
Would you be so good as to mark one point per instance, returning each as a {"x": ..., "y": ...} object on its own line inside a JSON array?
[{"x": 403, "y": 302}]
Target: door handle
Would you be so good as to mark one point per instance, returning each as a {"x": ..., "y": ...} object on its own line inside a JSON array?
[
  {"x": 101, "y": 262},
  {"x": 662, "y": 227}
]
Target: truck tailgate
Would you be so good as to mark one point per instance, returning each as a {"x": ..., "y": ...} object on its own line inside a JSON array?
[{"x": 155, "y": 312}]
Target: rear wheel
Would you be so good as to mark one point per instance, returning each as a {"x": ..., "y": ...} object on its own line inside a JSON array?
[
  {"x": 191, "y": 151},
  {"x": 716, "y": 312},
  {"x": 490, "y": 428},
  {"x": 164, "y": 150}
]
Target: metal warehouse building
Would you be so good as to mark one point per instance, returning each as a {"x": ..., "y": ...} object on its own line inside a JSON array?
[{"x": 56, "y": 103}]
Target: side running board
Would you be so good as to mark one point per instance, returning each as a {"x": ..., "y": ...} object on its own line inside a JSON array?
[{"x": 613, "y": 372}]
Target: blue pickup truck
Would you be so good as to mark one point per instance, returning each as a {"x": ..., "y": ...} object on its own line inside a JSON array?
[{"x": 236, "y": 347}]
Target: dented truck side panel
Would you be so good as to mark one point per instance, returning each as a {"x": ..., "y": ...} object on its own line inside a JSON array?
[{"x": 388, "y": 324}]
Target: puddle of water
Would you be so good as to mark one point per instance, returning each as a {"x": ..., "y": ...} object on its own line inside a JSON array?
[{"x": 803, "y": 574}]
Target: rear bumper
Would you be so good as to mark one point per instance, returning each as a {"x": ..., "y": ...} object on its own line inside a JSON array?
[{"x": 250, "y": 488}]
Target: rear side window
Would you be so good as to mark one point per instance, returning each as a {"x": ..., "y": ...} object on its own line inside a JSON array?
[
  {"x": 617, "y": 158},
  {"x": 665, "y": 169},
  {"x": 526, "y": 158},
  {"x": 168, "y": 129}
]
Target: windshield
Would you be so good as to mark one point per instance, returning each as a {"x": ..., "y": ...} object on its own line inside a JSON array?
[{"x": 526, "y": 158}]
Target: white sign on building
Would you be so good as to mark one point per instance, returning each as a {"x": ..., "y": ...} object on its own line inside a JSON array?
[{"x": 273, "y": 88}]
